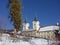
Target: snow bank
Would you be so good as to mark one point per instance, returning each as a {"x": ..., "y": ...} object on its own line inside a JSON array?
[
  {"x": 34, "y": 41},
  {"x": 39, "y": 42}
]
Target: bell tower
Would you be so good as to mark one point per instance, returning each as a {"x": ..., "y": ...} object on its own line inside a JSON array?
[
  {"x": 25, "y": 25},
  {"x": 36, "y": 24}
]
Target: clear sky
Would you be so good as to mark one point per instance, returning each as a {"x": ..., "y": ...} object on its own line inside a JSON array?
[{"x": 47, "y": 12}]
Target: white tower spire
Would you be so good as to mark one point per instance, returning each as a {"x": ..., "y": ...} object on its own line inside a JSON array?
[
  {"x": 36, "y": 24},
  {"x": 25, "y": 25}
]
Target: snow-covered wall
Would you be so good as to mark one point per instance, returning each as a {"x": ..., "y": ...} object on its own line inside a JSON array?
[{"x": 49, "y": 28}]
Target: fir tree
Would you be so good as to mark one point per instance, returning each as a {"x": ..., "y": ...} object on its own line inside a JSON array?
[{"x": 15, "y": 13}]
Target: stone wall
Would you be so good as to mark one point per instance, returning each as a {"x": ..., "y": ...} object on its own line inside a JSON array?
[
  {"x": 42, "y": 34},
  {"x": 46, "y": 35}
]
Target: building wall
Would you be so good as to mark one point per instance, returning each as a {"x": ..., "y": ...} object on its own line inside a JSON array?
[
  {"x": 46, "y": 34},
  {"x": 28, "y": 33},
  {"x": 36, "y": 25},
  {"x": 25, "y": 26}
]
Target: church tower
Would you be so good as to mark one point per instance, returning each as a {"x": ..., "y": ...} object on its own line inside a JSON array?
[
  {"x": 36, "y": 24},
  {"x": 25, "y": 25}
]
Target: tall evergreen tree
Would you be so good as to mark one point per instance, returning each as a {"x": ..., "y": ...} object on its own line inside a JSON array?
[{"x": 15, "y": 13}]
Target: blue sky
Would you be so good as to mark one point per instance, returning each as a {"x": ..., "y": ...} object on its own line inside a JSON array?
[{"x": 47, "y": 12}]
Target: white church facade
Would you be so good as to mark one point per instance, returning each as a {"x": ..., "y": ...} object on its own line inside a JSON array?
[
  {"x": 37, "y": 27},
  {"x": 42, "y": 32}
]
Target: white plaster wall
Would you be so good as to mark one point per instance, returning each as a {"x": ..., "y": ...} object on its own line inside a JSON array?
[
  {"x": 26, "y": 26},
  {"x": 36, "y": 25}
]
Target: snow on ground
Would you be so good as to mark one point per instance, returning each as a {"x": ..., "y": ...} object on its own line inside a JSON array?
[
  {"x": 5, "y": 40},
  {"x": 39, "y": 41},
  {"x": 31, "y": 42}
]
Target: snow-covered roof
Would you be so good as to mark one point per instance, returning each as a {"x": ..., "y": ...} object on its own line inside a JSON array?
[{"x": 49, "y": 28}]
